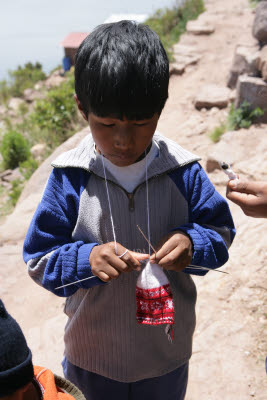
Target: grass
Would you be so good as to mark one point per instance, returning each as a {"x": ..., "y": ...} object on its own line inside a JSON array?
[
  {"x": 170, "y": 23},
  {"x": 24, "y": 77},
  {"x": 242, "y": 117},
  {"x": 254, "y": 3}
]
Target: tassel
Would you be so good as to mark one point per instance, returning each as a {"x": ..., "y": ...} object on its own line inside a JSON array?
[{"x": 169, "y": 333}]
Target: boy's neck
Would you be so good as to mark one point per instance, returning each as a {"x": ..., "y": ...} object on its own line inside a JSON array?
[{"x": 145, "y": 153}]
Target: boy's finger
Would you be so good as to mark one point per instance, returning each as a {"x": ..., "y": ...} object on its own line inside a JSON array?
[
  {"x": 125, "y": 263},
  {"x": 139, "y": 256},
  {"x": 163, "y": 251},
  {"x": 174, "y": 258},
  {"x": 108, "y": 274}
]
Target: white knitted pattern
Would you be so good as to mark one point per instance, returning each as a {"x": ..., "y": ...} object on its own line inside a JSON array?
[{"x": 151, "y": 277}]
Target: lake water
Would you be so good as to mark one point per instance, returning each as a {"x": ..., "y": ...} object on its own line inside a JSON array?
[{"x": 31, "y": 30}]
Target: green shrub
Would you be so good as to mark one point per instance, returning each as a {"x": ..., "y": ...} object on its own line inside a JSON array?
[
  {"x": 14, "y": 149},
  {"x": 25, "y": 77},
  {"x": 4, "y": 91},
  {"x": 53, "y": 117},
  {"x": 254, "y": 3},
  {"x": 218, "y": 132},
  {"x": 17, "y": 187},
  {"x": 20, "y": 79},
  {"x": 28, "y": 167},
  {"x": 170, "y": 23},
  {"x": 243, "y": 117}
]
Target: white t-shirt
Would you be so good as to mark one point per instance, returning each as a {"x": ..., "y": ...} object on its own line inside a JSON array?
[{"x": 130, "y": 176}]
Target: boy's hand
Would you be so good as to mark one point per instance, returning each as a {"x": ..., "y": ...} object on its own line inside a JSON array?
[
  {"x": 106, "y": 265},
  {"x": 250, "y": 196},
  {"x": 174, "y": 252}
]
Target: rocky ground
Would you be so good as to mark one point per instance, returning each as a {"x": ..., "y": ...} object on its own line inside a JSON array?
[{"x": 230, "y": 338}]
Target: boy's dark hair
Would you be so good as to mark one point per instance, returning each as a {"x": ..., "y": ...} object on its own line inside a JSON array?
[{"x": 122, "y": 70}]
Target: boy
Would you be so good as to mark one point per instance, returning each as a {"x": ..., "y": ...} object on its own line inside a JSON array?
[
  {"x": 85, "y": 225},
  {"x": 19, "y": 380}
]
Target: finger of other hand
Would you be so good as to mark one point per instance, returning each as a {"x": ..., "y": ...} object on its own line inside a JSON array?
[
  {"x": 247, "y": 187},
  {"x": 242, "y": 199}
]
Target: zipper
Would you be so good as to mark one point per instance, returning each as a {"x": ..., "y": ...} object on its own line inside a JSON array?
[
  {"x": 131, "y": 201},
  {"x": 131, "y": 195}
]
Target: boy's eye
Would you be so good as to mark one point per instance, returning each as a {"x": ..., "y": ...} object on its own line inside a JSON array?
[
  {"x": 108, "y": 125},
  {"x": 141, "y": 124}
]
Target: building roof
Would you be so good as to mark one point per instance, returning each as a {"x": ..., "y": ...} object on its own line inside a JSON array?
[
  {"x": 74, "y": 39},
  {"x": 131, "y": 17}
]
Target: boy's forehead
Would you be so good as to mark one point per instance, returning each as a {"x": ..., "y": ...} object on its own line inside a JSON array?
[{"x": 116, "y": 117}]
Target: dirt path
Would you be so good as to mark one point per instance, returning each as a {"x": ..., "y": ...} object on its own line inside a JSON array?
[{"x": 230, "y": 338}]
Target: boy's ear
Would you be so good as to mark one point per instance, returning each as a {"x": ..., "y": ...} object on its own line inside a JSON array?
[{"x": 80, "y": 107}]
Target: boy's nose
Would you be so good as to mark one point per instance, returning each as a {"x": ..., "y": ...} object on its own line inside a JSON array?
[{"x": 123, "y": 141}]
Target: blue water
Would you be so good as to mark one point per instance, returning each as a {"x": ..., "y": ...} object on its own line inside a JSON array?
[{"x": 31, "y": 30}]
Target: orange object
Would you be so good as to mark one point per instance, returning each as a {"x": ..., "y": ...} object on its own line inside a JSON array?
[{"x": 54, "y": 387}]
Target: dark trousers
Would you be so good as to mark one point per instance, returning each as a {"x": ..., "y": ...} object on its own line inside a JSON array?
[{"x": 171, "y": 386}]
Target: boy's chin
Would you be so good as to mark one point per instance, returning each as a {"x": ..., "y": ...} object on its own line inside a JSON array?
[{"x": 122, "y": 161}]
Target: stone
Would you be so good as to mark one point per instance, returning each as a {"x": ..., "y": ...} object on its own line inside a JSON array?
[
  {"x": 55, "y": 79},
  {"x": 38, "y": 150},
  {"x": 212, "y": 96},
  {"x": 212, "y": 164},
  {"x": 31, "y": 95},
  {"x": 176, "y": 69},
  {"x": 262, "y": 63},
  {"x": 185, "y": 55},
  {"x": 15, "y": 103},
  {"x": 199, "y": 28},
  {"x": 213, "y": 111},
  {"x": 2, "y": 110},
  {"x": 259, "y": 29},
  {"x": 254, "y": 91},
  {"x": 232, "y": 96},
  {"x": 194, "y": 126},
  {"x": 10, "y": 175},
  {"x": 245, "y": 62}
]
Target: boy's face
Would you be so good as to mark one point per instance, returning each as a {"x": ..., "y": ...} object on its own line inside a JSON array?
[{"x": 121, "y": 141}]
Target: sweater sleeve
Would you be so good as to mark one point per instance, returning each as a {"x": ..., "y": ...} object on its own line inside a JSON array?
[
  {"x": 210, "y": 225},
  {"x": 53, "y": 258}
]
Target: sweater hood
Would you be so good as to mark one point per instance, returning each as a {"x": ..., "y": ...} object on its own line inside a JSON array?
[{"x": 171, "y": 156}]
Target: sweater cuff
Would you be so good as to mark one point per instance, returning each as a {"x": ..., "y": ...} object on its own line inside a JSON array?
[{"x": 84, "y": 268}]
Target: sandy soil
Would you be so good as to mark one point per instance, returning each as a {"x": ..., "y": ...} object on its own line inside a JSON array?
[{"x": 230, "y": 338}]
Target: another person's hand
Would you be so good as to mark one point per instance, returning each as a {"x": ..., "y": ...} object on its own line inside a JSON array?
[
  {"x": 106, "y": 265},
  {"x": 174, "y": 252},
  {"x": 250, "y": 196}
]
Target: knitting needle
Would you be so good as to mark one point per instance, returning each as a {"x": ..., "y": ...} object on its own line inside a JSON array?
[
  {"x": 146, "y": 239},
  {"x": 73, "y": 283},
  {"x": 189, "y": 266}
]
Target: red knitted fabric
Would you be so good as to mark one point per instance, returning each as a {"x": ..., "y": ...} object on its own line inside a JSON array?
[{"x": 155, "y": 306}]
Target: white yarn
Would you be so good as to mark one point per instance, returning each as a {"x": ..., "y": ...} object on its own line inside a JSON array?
[
  {"x": 109, "y": 204},
  {"x": 152, "y": 275}
]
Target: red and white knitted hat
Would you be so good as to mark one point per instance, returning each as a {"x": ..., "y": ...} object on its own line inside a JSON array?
[{"x": 154, "y": 299}]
